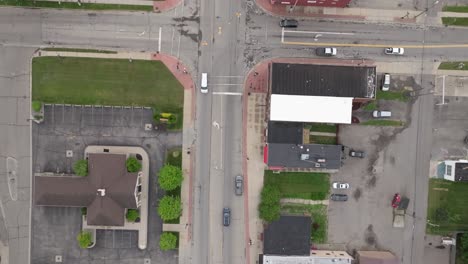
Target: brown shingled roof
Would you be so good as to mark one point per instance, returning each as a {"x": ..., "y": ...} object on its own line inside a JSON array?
[{"x": 106, "y": 171}]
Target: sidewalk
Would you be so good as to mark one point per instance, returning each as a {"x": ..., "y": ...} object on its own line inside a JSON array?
[
  {"x": 158, "y": 6},
  {"x": 302, "y": 201},
  {"x": 347, "y": 13}
]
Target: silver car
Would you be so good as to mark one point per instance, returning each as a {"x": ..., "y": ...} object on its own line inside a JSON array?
[{"x": 239, "y": 185}]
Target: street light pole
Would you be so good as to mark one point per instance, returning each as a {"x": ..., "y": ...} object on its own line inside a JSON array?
[
  {"x": 294, "y": 6},
  {"x": 427, "y": 8}
]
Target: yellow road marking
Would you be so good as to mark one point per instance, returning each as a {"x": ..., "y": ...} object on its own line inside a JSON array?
[{"x": 430, "y": 46}]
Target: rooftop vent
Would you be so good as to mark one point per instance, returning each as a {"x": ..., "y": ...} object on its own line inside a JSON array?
[
  {"x": 101, "y": 192},
  {"x": 304, "y": 156}
]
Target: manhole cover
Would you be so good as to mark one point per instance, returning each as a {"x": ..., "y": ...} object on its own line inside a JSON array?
[
  {"x": 69, "y": 153},
  {"x": 58, "y": 259}
]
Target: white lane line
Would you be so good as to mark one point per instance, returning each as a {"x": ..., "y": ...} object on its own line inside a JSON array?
[
  {"x": 226, "y": 76},
  {"x": 226, "y": 93},
  {"x": 318, "y": 32},
  {"x": 282, "y": 35},
  {"x": 159, "y": 40},
  {"x": 227, "y": 84}
]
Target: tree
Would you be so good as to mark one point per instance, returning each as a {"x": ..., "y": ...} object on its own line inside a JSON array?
[
  {"x": 167, "y": 241},
  {"x": 81, "y": 168},
  {"x": 132, "y": 215},
  {"x": 170, "y": 208},
  {"x": 133, "y": 165},
  {"x": 84, "y": 239},
  {"x": 269, "y": 208},
  {"x": 170, "y": 177}
]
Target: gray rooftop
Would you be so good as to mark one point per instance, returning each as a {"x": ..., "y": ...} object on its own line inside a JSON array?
[{"x": 304, "y": 156}]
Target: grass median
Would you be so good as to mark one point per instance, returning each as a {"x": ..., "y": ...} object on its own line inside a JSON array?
[
  {"x": 447, "y": 210},
  {"x": 458, "y": 9},
  {"x": 74, "y": 5},
  {"x": 454, "y": 65},
  {"x": 92, "y": 81},
  {"x": 301, "y": 185},
  {"x": 318, "y": 213},
  {"x": 455, "y": 21}
]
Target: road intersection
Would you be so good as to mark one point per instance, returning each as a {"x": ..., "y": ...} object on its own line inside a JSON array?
[{"x": 225, "y": 39}]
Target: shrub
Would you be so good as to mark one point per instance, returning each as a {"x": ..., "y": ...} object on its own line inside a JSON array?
[
  {"x": 132, "y": 215},
  {"x": 464, "y": 247},
  {"x": 84, "y": 211},
  {"x": 84, "y": 239},
  {"x": 169, "y": 208},
  {"x": 36, "y": 106},
  {"x": 172, "y": 119},
  {"x": 133, "y": 165},
  {"x": 167, "y": 241},
  {"x": 81, "y": 167},
  {"x": 269, "y": 208},
  {"x": 170, "y": 177},
  {"x": 157, "y": 118}
]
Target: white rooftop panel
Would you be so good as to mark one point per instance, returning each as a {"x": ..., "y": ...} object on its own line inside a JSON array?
[{"x": 315, "y": 109}]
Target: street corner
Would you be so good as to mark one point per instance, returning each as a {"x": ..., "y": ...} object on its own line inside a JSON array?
[
  {"x": 165, "y": 5},
  {"x": 257, "y": 78},
  {"x": 181, "y": 71}
]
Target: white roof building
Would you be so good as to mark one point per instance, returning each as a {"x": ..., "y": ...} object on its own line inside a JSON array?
[
  {"x": 316, "y": 257},
  {"x": 314, "y": 109}
]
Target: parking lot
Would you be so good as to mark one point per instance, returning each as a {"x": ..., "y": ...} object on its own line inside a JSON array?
[{"x": 69, "y": 127}]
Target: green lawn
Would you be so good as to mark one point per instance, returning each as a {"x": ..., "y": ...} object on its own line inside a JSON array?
[
  {"x": 455, "y": 65},
  {"x": 303, "y": 185},
  {"x": 401, "y": 95},
  {"x": 80, "y": 50},
  {"x": 74, "y": 5},
  {"x": 455, "y": 21},
  {"x": 92, "y": 81},
  {"x": 371, "y": 106},
  {"x": 321, "y": 127},
  {"x": 319, "y": 219},
  {"x": 383, "y": 122},
  {"x": 452, "y": 196},
  {"x": 459, "y": 9},
  {"x": 326, "y": 140},
  {"x": 174, "y": 157}
]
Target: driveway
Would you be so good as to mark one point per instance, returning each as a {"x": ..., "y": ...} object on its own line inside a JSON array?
[{"x": 54, "y": 229}]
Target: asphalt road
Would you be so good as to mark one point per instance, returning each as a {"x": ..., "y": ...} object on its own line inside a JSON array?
[{"x": 219, "y": 36}]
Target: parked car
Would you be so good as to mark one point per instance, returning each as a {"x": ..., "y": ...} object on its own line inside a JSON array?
[
  {"x": 339, "y": 197},
  {"x": 239, "y": 184},
  {"x": 380, "y": 114},
  {"x": 289, "y": 23},
  {"x": 340, "y": 185},
  {"x": 357, "y": 153},
  {"x": 396, "y": 200},
  {"x": 394, "y": 51},
  {"x": 386, "y": 82},
  {"x": 325, "y": 52},
  {"x": 226, "y": 216}
]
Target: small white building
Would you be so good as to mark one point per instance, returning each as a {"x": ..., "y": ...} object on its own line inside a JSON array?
[{"x": 456, "y": 170}]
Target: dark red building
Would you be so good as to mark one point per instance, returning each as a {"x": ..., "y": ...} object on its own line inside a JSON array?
[{"x": 324, "y": 3}]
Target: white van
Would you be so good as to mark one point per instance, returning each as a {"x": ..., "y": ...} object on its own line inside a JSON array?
[
  {"x": 379, "y": 114},
  {"x": 204, "y": 82},
  {"x": 386, "y": 82}
]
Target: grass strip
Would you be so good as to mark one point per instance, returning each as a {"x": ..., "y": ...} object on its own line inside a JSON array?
[
  {"x": 383, "y": 122},
  {"x": 301, "y": 185},
  {"x": 81, "y": 50},
  {"x": 454, "y": 65},
  {"x": 174, "y": 157},
  {"x": 370, "y": 106},
  {"x": 74, "y": 5},
  {"x": 456, "y": 8},
  {"x": 325, "y": 140},
  {"x": 317, "y": 127},
  {"x": 455, "y": 21},
  {"x": 401, "y": 95},
  {"x": 318, "y": 212}
]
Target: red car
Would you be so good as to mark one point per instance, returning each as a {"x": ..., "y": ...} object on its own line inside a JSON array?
[{"x": 396, "y": 200}]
